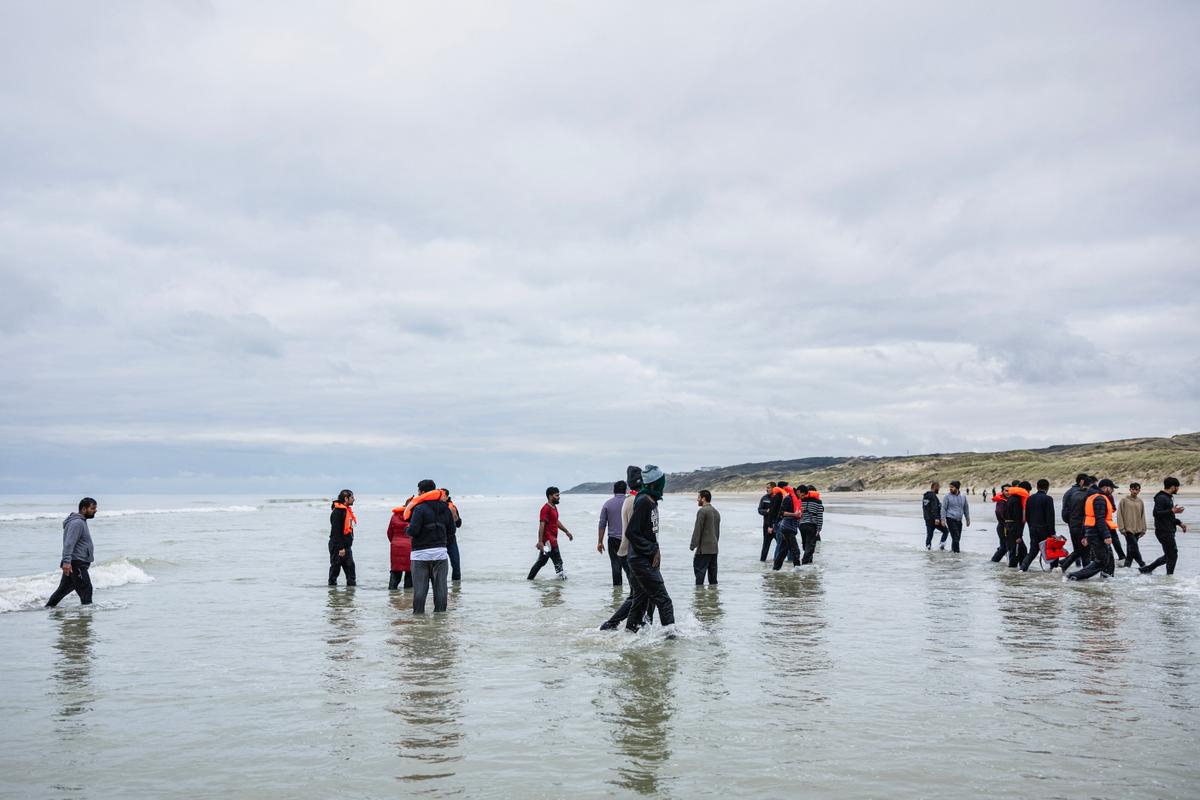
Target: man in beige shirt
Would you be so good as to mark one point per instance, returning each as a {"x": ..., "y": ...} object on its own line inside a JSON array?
[
  {"x": 704, "y": 539},
  {"x": 1131, "y": 521}
]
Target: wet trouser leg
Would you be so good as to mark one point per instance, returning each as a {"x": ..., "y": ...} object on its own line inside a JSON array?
[
  {"x": 1035, "y": 546},
  {"x": 1078, "y": 550},
  {"x": 614, "y": 560},
  {"x": 789, "y": 548},
  {"x": 1100, "y": 556},
  {"x": 1170, "y": 553},
  {"x": 1116, "y": 546},
  {"x": 705, "y": 565},
  {"x": 778, "y": 539},
  {"x": 634, "y": 591},
  {"x": 1003, "y": 548},
  {"x": 955, "y": 530},
  {"x": 78, "y": 581},
  {"x": 929, "y": 529},
  {"x": 654, "y": 592},
  {"x": 338, "y": 563},
  {"x": 1132, "y": 551},
  {"x": 808, "y": 535},
  {"x": 394, "y": 577},
  {"x": 426, "y": 573},
  {"x": 455, "y": 560},
  {"x": 766, "y": 548},
  {"x": 547, "y": 555},
  {"x": 1015, "y": 543}
]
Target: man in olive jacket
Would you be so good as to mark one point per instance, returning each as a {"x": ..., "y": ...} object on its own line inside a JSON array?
[{"x": 704, "y": 539}]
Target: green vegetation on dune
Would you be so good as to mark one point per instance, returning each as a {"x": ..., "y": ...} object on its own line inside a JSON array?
[{"x": 1145, "y": 460}]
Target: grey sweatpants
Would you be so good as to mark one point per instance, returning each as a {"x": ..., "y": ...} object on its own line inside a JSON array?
[{"x": 423, "y": 573}]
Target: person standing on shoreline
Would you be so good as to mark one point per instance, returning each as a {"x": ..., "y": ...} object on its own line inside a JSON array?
[
  {"x": 548, "y": 528},
  {"x": 645, "y": 555},
  {"x": 610, "y": 523},
  {"x": 341, "y": 538},
  {"x": 955, "y": 510},
  {"x": 931, "y": 509},
  {"x": 764, "y": 511},
  {"x": 705, "y": 536},
  {"x": 1165, "y": 523},
  {"x": 1131, "y": 521},
  {"x": 77, "y": 556}
]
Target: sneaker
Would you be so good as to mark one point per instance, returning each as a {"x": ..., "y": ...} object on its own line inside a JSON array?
[
  {"x": 562, "y": 576},
  {"x": 928, "y": 547},
  {"x": 797, "y": 568},
  {"x": 1145, "y": 570},
  {"x": 941, "y": 547},
  {"x": 608, "y": 625},
  {"x": 669, "y": 631}
]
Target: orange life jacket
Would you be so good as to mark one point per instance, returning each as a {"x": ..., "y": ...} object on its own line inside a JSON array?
[
  {"x": 1021, "y": 492},
  {"x": 1089, "y": 513},
  {"x": 788, "y": 491},
  {"x": 350, "y": 518},
  {"x": 434, "y": 494}
]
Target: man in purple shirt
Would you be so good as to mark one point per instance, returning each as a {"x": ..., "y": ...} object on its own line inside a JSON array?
[{"x": 610, "y": 518}]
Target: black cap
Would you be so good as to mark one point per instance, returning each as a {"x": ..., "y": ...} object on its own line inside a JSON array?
[{"x": 1106, "y": 482}]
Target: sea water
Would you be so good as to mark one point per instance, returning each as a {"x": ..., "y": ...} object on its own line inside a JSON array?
[{"x": 216, "y": 662}]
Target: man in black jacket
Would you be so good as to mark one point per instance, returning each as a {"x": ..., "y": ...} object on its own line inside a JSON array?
[
  {"x": 1014, "y": 521},
  {"x": 341, "y": 538},
  {"x": 764, "y": 511},
  {"x": 1073, "y": 510},
  {"x": 931, "y": 509},
  {"x": 1099, "y": 529},
  {"x": 430, "y": 526},
  {"x": 1165, "y": 523},
  {"x": 1039, "y": 513},
  {"x": 645, "y": 556}
]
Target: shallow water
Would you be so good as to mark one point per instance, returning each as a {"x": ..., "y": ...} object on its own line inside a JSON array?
[{"x": 216, "y": 662}]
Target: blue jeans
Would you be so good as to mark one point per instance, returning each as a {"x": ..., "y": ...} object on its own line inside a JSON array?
[{"x": 452, "y": 550}]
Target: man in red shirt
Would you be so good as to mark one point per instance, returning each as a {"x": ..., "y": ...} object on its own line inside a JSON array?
[{"x": 548, "y": 528}]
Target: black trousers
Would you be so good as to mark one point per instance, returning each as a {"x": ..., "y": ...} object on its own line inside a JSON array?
[
  {"x": 955, "y": 531},
  {"x": 338, "y": 563},
  {"x": 1170, "y": 553},
  {"x": 635, "y": 592},
  {"x": 705, "y": 565},
  {"x": 1101, "y": 557},
  {"x": 929, "y": 529},
  {"x": 1015, "y": 543},
  {"x": 790, "y": 549},
  {"x": 1116, "y": 546},
  {"x": 1078, "y": 551},
  {"x": 768, "y": 537},
  {"x": 614, "y": 560},
  {"x": 78, "y": 582},
  {"x": 654, "y": 591},
  {"x": 1035, "y": 546},
  {"x": 547, "y": 555},
  {"x": 808, "y": 536},
  {"x": 1132, "y": 551},
  {"x": 1003, "y": 548},
  {"x": 394, "y": 578}
]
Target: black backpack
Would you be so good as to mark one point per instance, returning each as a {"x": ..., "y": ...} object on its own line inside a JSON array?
[{"x": 633, "y": 477}]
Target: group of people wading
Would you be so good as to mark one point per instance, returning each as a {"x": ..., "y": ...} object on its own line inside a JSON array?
[
  {"x": 788, "y": 513},
  {"x": 1095, "y": 523}
]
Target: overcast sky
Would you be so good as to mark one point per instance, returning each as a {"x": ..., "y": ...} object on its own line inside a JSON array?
[{"x": 259, "y": 247}]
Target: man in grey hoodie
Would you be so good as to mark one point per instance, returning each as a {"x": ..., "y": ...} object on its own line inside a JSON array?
[{"x": 77, "y": 556}]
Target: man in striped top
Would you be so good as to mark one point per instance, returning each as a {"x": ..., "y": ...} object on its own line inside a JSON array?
[{"x": 812, "y": 519}]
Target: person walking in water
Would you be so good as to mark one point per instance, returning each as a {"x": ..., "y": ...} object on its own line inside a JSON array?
[
  {"x": 633, "y": 480},
  {"x": 1074, "y": 501},
  {"x": 1099, "y": 528},
  {"x": 610, "y": 524},
  {"x": 341, "y": 538},
  {"x": 1039, "y": 513},
  {"x": 430, "y": 521},
  {"x": 645, "y": 556},
  {"x": 788, "y": 527},
  {"x": 705, "y": 535},
  {"x": 764, "y": 511},
  {"x": 931, "y": 509},
  {"x": 77, "y": 556},
  {"x": 955, "y": 511},
  {"x": 1131, "y": 521},
  {"x": 548, "y": 528},
  {"x": 999, "y": 501},
  {"x": 1014, "y": 521},
  {"x": 812, "y": 519},
  {"x": 1165, "y": 523}
]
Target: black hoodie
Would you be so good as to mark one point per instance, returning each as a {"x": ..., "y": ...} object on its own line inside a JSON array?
[{"x": 1165, "y": 520}]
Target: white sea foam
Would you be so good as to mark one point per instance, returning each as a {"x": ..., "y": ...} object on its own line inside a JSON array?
[
  {"x": 129, "y": 512},
  {"x": 32, "y": 591}
]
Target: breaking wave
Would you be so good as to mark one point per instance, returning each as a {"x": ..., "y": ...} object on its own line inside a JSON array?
[
  {"x": 131, "y": 512},
  {"x": 32, "y": 591}
]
